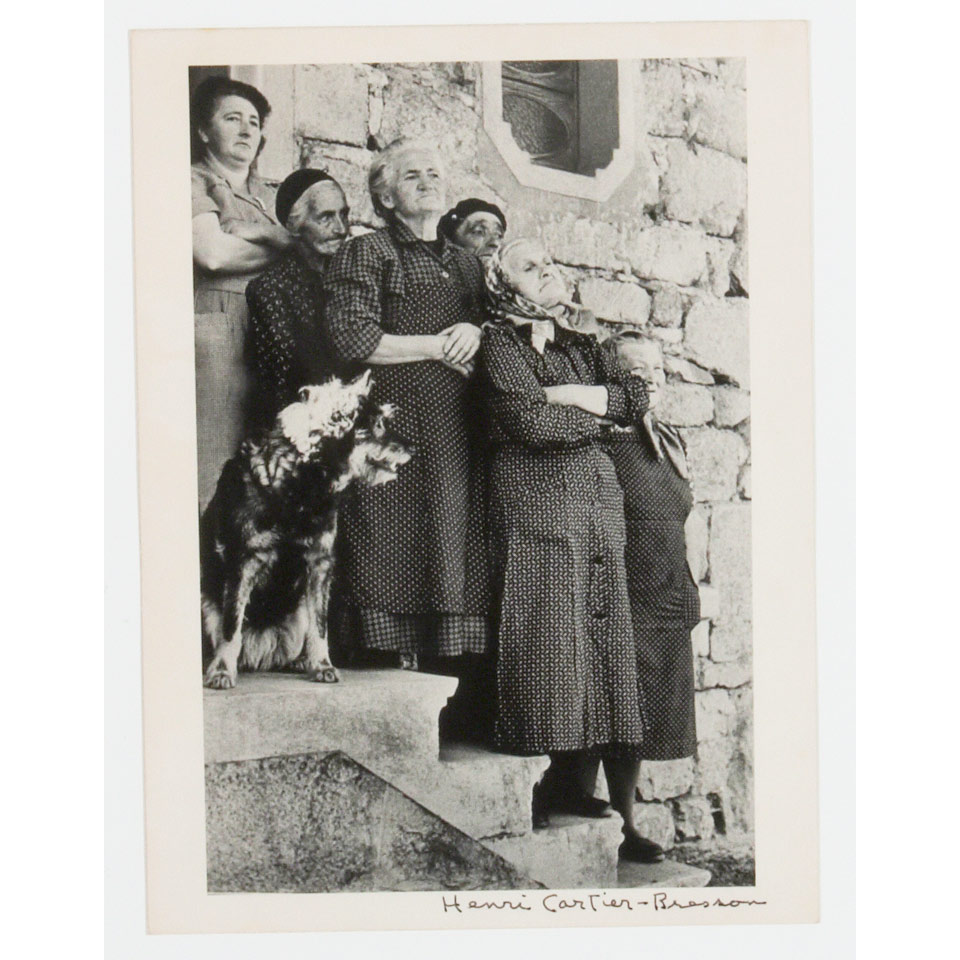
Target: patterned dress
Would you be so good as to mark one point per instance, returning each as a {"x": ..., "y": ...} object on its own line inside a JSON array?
[
  {"x": 285, "y": 346},
  {"x": 411, "y": 553},
  {"x": 663, "y": 596},
  {"x": 220, "y": 328},
  {"x": 566, "y": 667}
]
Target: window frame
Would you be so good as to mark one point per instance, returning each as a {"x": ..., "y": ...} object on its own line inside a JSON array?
[{"x": 597, "y": 187}]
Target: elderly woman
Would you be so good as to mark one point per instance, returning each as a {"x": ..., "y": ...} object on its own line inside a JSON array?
[
  {"x": 234, "y": 237},
  {"x": 474, "y": 225},
  {"x": 285, "y": 347},
  {"x": 566, "y": 670},
  {"x": 651, "y": 466},
  {"x": 406, "y": 302}
]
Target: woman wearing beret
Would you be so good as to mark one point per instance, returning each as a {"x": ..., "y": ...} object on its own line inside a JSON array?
[
  {"x": 474, "y": 225},
  {"x": 285, "y": 346},
  {"x": 566, "y": 664},
  {"x": 235, "y": 236},
  {"x": 408, "y": 303}
]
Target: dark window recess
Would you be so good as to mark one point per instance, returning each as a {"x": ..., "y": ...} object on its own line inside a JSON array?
[{"x": 563, "y": 113}]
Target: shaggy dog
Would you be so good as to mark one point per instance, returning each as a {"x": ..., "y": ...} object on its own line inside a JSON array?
[{"x": 266, "y": 539}]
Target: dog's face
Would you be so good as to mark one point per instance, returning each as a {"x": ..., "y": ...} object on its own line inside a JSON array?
[
  {"x": 376, "y": 455},
  {"x": 323, "y": 412}
]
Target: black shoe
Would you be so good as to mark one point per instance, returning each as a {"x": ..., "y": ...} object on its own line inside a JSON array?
[
  {"x": 578, "y": 804},
  {"x": 641, "y": 850}
]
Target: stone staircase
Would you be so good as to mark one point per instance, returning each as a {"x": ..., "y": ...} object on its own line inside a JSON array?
[{"x": 386, "y": 721}]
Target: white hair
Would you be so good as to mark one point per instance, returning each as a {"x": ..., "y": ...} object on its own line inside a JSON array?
[{"x": 382, "y": 177}]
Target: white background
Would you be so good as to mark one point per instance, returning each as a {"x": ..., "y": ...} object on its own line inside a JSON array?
[{"x": 54, "y": 685}]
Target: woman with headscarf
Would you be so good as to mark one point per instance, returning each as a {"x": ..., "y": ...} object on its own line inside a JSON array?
[
  {"x": 566, "y": 666},
  {"x": 406, "y": 302},
  {"x": 235, "y": 236}
]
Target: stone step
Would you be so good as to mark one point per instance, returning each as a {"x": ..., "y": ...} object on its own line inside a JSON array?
[
  {"x": 668, "y": 873},
  {"x": 572, "y": 852},
  {"x": 323, "y": 823},
  {"x": 384, "y": 719}
]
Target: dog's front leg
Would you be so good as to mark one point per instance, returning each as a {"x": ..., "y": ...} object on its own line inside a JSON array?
[
  {"x": 316, "y": 654},
  {"x": 222, "y": 672}
]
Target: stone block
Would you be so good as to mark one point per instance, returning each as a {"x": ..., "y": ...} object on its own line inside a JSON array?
[
  {"x": 615, "y": 301},
  {"x": 745, "y": 483},
  {"x": 485, "y": 794},
  {"x": 687, "y": 371},
  {"x": 667, "y": 306},
  {"x": 384, "y": 719},
  {"x": 716, "y": 714},
  {"x": 739, "y": 262},
  {"x": 730, "y": 641},
  {"x": 331, "y": 102},
  {"x": 702, "y": 186},
  {"x": 655, "y": 822},
  {"x": 729, "y": 675},
  {"x": 672, "y": 252},
  {"x": 713, "y": 766},
  {"x": 709, "y": 602},
  {"x": 733, "y": 71},
  {"x": 348, "y": 166},
  {"x": 720, "y": 252},
  {"x": 714, "y": 458},
  {"x": 664, "y": 779},
  {"x": 323, "y": 823},
  {"x": 570, "y": 853},
  {"x": 696, "y": 531},
  {"x": 667, "y": 874},
  {"x": 685, "y": 404},
  {"x": 693, "y": 817},
  {"x": 717, "y": 117},
  {"x": 700, "y": 637},
  {"x": 660, "y": 106},
  {"x": 577, "y": 241},
  {"x": 670, "y": 337},
  {"x": 730, "y": 560},
  {"x": 717, "y": 336},
  {"x": 731, "y": 405}
]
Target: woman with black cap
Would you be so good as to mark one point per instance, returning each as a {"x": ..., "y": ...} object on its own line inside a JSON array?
[
  {"x": 474, "y": 225},
  {"x": 235, "y": 236},
  {"x": 284, "y": 345}
]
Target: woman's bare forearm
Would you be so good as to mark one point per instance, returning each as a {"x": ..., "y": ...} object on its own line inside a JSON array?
[
  {"x": 592, "y": 399},
  {"x": 218, "y": 252},
  {"x": 398, "y": 348}
]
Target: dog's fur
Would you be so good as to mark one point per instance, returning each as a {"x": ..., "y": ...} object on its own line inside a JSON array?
[{"x": 266, "y": 538}]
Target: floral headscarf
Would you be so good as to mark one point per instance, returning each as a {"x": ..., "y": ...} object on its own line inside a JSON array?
[{"x": 508, "y": 305}]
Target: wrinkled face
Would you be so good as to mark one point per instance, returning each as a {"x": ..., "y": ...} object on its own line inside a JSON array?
[
  {"x": 644, "y": 360},
  {"x": 233, "y": 133},
  {"x": 328, "y": 222},
  {"x": 326, "y": 411},
  {"x": 529, "y": 269},
  {"x": 481, "y": 233},
  {"x": 419, "y": 187}
]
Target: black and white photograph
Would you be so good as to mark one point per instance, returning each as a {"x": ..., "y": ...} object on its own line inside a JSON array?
[
  {"x": 473, "y": 527},
  {"x": 473, "y": 421}
]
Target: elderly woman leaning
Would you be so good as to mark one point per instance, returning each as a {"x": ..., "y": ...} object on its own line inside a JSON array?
[
  {"x": 566, "y": 674},
  {"x": 406, "y": 302},
  {"x": 285, "y": 345},
  {"x": 235, "y": 236}
]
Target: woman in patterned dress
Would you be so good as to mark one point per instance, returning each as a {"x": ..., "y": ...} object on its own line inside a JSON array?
[
  {"x": 566, "y": 664},
  {"x": 411, "y": 561},
  {"x": 235, "y": 236}
]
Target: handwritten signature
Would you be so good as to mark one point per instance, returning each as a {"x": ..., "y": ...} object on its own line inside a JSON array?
[{"x": 588, "y": 903}]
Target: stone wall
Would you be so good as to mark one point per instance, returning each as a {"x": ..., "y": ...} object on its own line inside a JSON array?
[{"x": 666, "y": 253}]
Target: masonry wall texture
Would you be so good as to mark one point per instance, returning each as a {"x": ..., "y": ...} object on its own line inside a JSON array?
[{"x": 666, "y": 253}]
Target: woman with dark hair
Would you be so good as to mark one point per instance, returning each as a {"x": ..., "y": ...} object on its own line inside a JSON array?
[
  {"x": 566, "y": 665},
  {"x": 235, "y": 235},
  {"x": 408, "y": 303}
]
